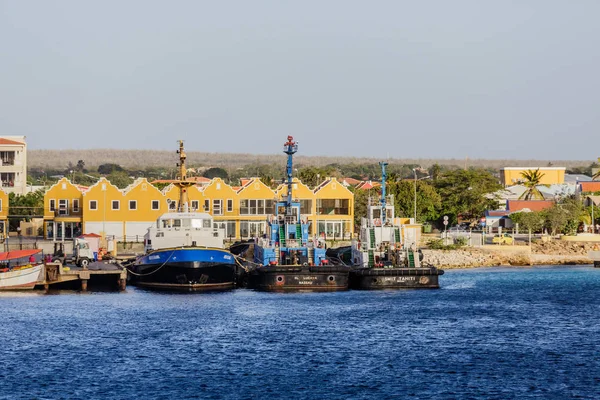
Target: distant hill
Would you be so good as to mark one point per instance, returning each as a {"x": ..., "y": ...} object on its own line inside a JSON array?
[{"x": 132, "y": 159}]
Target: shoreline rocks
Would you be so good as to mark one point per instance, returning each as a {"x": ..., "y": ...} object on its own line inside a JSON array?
[{"x": 546, "y": 253}]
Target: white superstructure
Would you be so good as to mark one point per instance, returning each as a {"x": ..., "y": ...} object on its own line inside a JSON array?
[{"x": 178, "y": 229}]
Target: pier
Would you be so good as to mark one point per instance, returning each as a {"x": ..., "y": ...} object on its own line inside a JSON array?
[{"x": 57, "y": 275}]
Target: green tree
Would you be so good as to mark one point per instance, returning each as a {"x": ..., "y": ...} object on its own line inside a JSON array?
[
  {"x": 467, "y": 193},
  {"x": 107, "y": 169},
  {"x": 528, "y": 221},
  {"x": 429, "y": 201},
  {"x": 532, "y": 181},
  {"x": 25, "y": 207},
  {"x": 361, "y": 198},
  {"x": 555, "y": 219},
  {"x": 216, "y": 172},
  {"x": 120, "y": 179}
]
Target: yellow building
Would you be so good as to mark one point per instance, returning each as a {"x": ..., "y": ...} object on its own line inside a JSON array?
[
  {"x": 242, "y": 212},
  {"x": 550, "y": 175},
  {"x": 256, "y": 201},
  {"x": 3, "y": 214},
  {"x": 334, "y": 209},
  {"x": 63, "y": 213}
]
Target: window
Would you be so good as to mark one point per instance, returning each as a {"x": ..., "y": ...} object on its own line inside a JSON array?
[
  {"x": 195, "y": 205},
  {"x": 333, "y": 207},
  {"x": 229, "y": 205},
  {"x": 133, "y": 204},
  {"x": 218, "y": 207},
  {"x": 305, "y": 206},
  {"x": 206, "y": 205},
  {"x": 173, "y": 205},
  {"x": 52, "y": 205},
  {"x": 75, "y": 205},
  {"x": 256, "y": 207},
  {"x": 93, "y": 205},
  {"x": 243, "y": 207},
  {"x": 1, "y": 210},
  {"x": 115, "y": 204},
  {"x": 63, "y": 207},
  {"x": 155, "y": 205}
]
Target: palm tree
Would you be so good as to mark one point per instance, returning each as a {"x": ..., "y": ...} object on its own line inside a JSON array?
[{"x": 532, "y": 181}]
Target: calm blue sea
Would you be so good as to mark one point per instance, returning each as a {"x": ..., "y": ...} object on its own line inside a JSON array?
[{"x": 493, "y": 333}]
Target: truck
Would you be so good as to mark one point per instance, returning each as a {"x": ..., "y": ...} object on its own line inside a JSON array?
[{"x": 82, "y": 254}]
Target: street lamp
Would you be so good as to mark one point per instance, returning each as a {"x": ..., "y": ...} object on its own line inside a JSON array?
[{"x": 415, "y": 203}]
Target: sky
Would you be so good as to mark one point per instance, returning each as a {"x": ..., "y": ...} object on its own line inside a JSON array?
[{"x": 403, "y": 79}]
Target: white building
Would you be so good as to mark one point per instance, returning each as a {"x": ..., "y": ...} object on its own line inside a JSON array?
[{"x": 13, "y": 164}]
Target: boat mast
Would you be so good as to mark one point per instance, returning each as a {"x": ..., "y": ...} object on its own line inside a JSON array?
[
  {"x": 182, "y": 183},
  {"x": 383, "y": 179},
  {"x": 290, "y": 148}
]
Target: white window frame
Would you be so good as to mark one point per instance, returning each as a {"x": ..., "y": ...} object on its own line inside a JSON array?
[
  {"x": 64, "y": 208},
  {"x": 112, "y": 205},
  {"x": 152, "y": 202},
  {"x": 195, "y": 205},
  {"x": 206, "y": 205},
  {"x": 229, "y": 205},
  {"x": 134, "y": 205},
  {"x": 1, "y": 210},
  {"x": 95, "y": 205},
  {"x": 52, "y": 205},
  {"x": 217, "y": 207},
  {"x": 75, "y": 205}
]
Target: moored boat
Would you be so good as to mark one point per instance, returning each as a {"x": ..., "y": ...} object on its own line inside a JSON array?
[
  {"x": 20, "y": 270},
  {"x": 184, "y": 251},
  {"x": 285, "y": 258},
  {"x": 386, "y": 255}
]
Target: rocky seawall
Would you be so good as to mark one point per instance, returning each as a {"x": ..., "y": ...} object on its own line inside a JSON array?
[{"x": 543, "y": 253}]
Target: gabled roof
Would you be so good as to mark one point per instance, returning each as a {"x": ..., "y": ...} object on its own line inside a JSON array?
[
  {"x": 530, "y": 205},
  {"x": 350, "y": 181},
  {"x": 594, "y": 199},
  {"x": 4, "y": 141},
  {"x": 366, "y": 185},
  {"x": 590, "y": 186}
]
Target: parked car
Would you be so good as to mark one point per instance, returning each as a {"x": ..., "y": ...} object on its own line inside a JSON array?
[
  {"x": 457, "y": 231},
  {"x": 503, "y": 239}
]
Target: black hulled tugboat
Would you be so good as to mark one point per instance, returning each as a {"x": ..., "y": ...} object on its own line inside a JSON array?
[
  {"x": 184, "y": 251},
  {"x": 383, "y": 258},
  {"x": 285, "y": 258}
]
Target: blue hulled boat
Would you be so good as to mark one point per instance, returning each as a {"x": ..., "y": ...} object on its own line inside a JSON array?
[{"x": 184, "y": 251}]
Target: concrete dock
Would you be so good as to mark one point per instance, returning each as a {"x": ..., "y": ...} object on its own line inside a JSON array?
[{"x": 97, "y": 273}]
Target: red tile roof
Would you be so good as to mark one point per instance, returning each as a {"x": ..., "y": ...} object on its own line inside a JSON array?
[
  {"x": 366, "y": 185},
  {"x": 8, "y": 141},
  {"x": 350, "y": 181},
  {"x": 590, "y": 186},
  {"x": 531, "y": 205}
]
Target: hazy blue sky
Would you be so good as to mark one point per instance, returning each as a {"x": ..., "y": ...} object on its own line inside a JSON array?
[{"x": 483, "y": 79}]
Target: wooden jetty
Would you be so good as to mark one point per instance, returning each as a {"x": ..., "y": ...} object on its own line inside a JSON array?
[{"x": 55, "y": 273}]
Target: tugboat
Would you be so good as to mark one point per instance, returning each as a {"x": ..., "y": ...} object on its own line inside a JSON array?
[
  {"x": 381, "y": 258},
  {"x": 183, "y": 249},
  {"x": 285, "y": 258}
]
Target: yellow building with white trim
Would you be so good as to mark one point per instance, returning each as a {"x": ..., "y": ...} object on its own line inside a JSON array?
[
  {"x": 63, "y": 212},
  {"x": 242, "y": 212}
]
